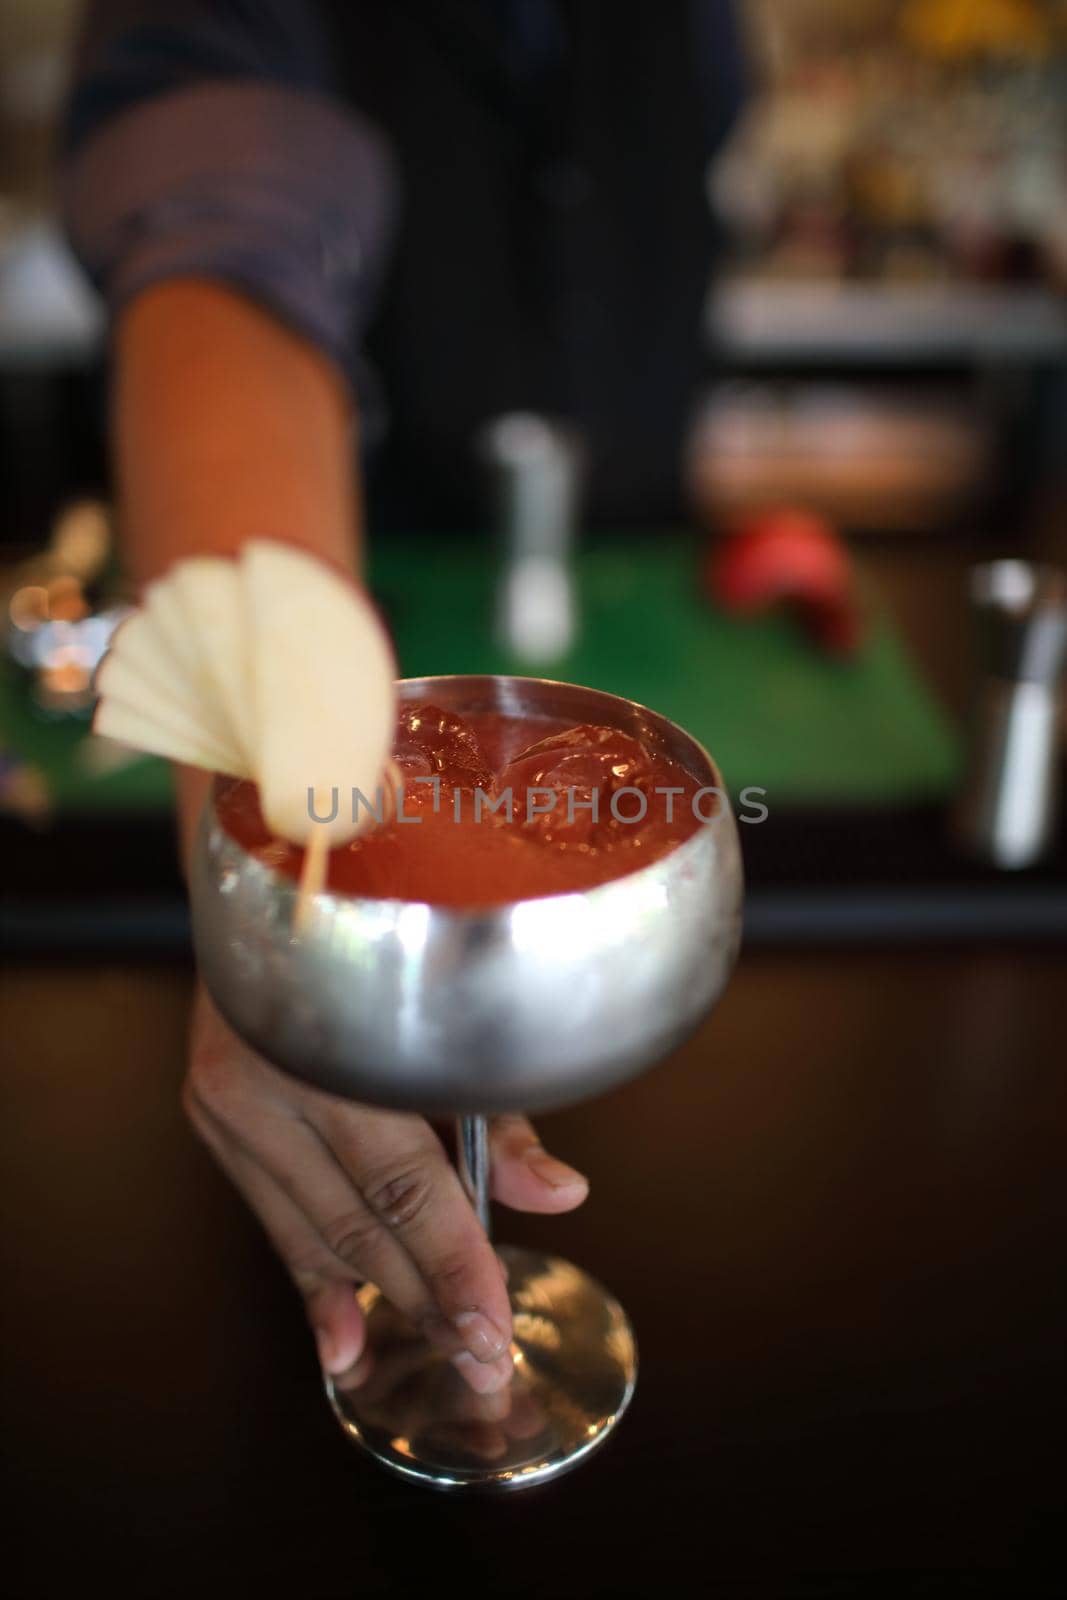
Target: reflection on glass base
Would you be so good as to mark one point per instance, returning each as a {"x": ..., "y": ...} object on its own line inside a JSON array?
[{"x": 575, "y": 1366}]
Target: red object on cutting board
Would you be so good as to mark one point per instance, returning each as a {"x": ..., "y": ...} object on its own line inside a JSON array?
[{"x": 791, "y": 556}]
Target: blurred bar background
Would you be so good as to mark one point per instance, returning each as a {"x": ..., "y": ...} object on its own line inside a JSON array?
[{"x": 884, "y": 405}]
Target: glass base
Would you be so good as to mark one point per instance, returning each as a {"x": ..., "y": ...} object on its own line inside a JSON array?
[{"x": 575, "y": 1368}]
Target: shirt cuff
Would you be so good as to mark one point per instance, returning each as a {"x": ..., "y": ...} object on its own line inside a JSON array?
[{"x": 284, "y": 194}]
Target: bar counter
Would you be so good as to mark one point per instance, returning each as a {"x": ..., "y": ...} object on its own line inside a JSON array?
[{"x": 837, "y": 1218}]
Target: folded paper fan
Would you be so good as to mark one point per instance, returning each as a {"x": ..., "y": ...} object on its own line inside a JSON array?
[
  {"x": 139, "y": 676},
  {"x": 141, "y": 728},
  {"x": 273, "y": 667},
  {"x": 211, "y": 596},
  {"x": 323, "y": 710}
]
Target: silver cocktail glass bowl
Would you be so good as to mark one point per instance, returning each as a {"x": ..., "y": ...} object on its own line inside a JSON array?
[{"x": 524, "y": 1006}]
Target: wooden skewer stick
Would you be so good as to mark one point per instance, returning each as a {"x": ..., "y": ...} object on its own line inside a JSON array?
[
  {"x": 312, "y": 876},
  {"x": 392, "y": 783},
  {"x": 317, "y": 851}
]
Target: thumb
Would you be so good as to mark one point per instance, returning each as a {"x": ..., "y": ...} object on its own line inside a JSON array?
[{"x": 525, "y": 1176}]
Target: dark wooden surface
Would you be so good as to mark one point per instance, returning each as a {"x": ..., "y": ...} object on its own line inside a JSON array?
[{"x": 837, "y": 1218}]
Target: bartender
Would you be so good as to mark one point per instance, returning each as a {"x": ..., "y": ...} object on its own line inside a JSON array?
[{"x": 306, "y": 217}]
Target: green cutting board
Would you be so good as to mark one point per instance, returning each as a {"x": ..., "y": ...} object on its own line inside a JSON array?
[{"x": 772, "y": 710}]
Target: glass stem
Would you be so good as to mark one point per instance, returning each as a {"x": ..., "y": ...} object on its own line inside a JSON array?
[{"x": 472, "y": 1144}]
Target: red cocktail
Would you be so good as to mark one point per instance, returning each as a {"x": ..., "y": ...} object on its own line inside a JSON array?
[{"x": 496, "y": 808}]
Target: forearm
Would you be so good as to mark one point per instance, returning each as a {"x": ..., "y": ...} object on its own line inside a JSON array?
[{"x": 226, "y": 426}]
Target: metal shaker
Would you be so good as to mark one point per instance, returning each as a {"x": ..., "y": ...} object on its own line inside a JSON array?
[
  {"x": 536, "y": 470},
  {"x": 1008, "y": 810}
]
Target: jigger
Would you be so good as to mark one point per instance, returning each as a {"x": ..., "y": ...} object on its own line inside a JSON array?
[{"x": 524, "y": 1006}]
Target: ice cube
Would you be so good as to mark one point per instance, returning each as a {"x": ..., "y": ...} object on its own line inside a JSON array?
[
  {"x": 587, "y": 760},
  {"x": 431, "y": 742}
]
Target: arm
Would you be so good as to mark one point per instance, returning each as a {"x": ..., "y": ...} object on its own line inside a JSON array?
[
  {"x": 231, "y": 302},
  {"x": 226, "y": 425},
  {"x": 235, "y": 215}
]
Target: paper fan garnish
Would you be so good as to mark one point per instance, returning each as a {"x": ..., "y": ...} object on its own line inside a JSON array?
[{"x": 272, "y": 667}]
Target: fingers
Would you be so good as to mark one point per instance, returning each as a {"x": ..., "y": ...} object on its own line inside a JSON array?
[
  {"x": 378, "y": 1199},
  {"x": 292, "y": 1153},
  {"x": 525, "y": 1176},
  {"x": 248, "y": 1114},
  {"x": 401, "y": 1171},
  {"x": 329, "y": 1298},
  {"x": 347, "y": 1192},
  {"x": 337, "y": 1323}
]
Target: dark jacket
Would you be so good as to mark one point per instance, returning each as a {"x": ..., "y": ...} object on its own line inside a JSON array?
[{"x": 474, "y": 205}]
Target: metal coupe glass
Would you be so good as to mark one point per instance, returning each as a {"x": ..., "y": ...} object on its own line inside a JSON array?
[{"x": 523, "y": 1006}]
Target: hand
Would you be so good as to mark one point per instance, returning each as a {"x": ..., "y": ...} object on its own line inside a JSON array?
[{"x": 348, "y": 1193}]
